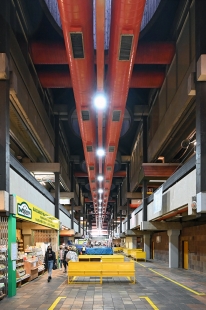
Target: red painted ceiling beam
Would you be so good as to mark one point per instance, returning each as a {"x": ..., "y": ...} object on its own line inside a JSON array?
[
  {"x": 117, "y": 174},
  {"x": 143, "y": 79},
  {"x": 152, "y": 53},
  {"x": 50, "y": 53},
  {"x": 100, "y": 20},
  {"x": 126, "y": 20},
  {"x": 55, "y": 79},
  {"x": 77, "y": 17},
  {"x": 147, "y": 79}
]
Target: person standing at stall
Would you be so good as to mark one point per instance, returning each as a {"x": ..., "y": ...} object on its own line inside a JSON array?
[{"x": 50, "y": 261}]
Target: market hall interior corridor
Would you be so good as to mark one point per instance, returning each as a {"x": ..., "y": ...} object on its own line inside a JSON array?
[{"x": 156, "y": 287}]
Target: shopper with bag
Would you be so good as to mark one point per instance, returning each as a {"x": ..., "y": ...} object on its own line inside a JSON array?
[
  {"x": 71, "y": 255},
  {"x": 50, "y": 261},
  {"x": 64, "y": 259}
]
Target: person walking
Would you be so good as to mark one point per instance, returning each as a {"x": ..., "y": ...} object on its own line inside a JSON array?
[
  {"x": 50, "y": 261},
  {"x": 64, "y": 259},
  {"x": 83, "y": 249},
  {"x": 61, "y": 256}
]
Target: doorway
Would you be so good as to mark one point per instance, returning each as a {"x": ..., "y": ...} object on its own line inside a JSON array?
[{"x": 185, "y": 254}]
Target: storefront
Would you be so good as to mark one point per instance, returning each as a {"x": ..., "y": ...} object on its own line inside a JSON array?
[{"x": 34, "y": 230}]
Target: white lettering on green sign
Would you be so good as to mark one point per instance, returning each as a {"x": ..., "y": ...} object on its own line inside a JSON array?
[{"x": 24, "y": 210}]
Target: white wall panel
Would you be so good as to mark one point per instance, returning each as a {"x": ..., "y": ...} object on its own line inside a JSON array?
[
  {"x": 23, "y": 189},
  {"x": 64, "y": 219},
  {"x": 180, "y": 194}
]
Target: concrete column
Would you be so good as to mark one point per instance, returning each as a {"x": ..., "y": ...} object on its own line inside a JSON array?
[
  {"x": 128, "y": 200},
  {"x": 131, "y": 242},
  {"x": 4, "y": 98},
  {"x": 147, "y": 245},
  {"x": 173, "y": 247},
  {"x": 57, "y": 174},
  {"x": 200, "y": 49}
]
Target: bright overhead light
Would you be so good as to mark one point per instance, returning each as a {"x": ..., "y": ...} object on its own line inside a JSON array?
[
  {"x": 100, "y": 178},
  {"x": 100, "y": 200},
  {"x": 100, "y": 190},
  {"x": 100, "y": 152},
  {"x": 100, "y": 101}
]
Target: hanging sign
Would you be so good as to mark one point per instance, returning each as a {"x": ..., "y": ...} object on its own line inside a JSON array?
[{"x": 29, "y": 212}]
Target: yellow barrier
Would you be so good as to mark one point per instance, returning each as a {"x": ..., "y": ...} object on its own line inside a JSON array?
[
  {"x": 128, "y": 252},
  {"x": 101, "y": 269},
  {"x": 138, "y": 255},
  {"x": 99, "y": 258}
]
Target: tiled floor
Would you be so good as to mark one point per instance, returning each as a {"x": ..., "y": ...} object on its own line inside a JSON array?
[{"x": 151, "y": 291}]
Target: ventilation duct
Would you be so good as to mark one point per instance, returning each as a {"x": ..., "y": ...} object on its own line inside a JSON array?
[
  {"x": 89, "y": 148},
  {"x": 77, "y": 44},
  {"x": 111, "y": 149},
  {"x": 85, "y": 115},
  {"x": 116, "y": 116},
  {"x": 125, "y": 47}
]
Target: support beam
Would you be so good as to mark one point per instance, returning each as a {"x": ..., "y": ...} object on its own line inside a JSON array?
[
  {"x": 118, "y": 174},
  {"x": 146, "y": 238},
  {"x": 160, "y": 225},
  {"x": 130, "y": 195},
  {"x": 147, "y": 53},
  {"x": 173, "y": 235},
  {"x": 139, "y": 79},
  {"x": 200, "y": 7},
  {"x": 42, "y": 167},
  {"x": 56, "y": 159},
  {"x": 4, "y": 96},
  {"x": 62, "y": 195},
  {"x": 128, "y": 199}
]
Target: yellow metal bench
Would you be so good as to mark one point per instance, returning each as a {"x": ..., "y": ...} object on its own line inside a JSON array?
[
  {"x": 117, "y": 249},
  {"x": 112, "y": 258},
  {"x": 103, "y": 258},
  {"x": 101, "y": 269},
  {"x": 90, "y": 258}
]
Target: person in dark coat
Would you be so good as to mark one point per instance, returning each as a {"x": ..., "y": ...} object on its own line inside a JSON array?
[{"x": 50, "y": 261}]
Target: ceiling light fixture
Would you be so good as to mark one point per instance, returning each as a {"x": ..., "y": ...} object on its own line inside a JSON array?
[
  {"x": 100, "y": 152},
  {"x": 100, "y": 190},
  {"x": 100, "y": 101},
  {"x": 100, "y": 178}
]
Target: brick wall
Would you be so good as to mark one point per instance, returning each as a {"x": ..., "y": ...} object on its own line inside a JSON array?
[
  {"x": 196, "y": 237},
  {"x": 161, "y": 249}
]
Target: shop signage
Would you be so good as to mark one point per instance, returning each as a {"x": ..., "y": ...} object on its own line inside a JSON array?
[
  {"x": 24, "y": 210},
  {"x": 28, "y": 211}
]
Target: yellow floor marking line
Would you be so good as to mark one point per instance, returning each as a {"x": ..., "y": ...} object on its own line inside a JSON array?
[
  {"x": 140, "y": 264},
  {"x": 185, "y": 287},
  {"x": 150, "y": 302},
  {"x": 55, "y": 303}
]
